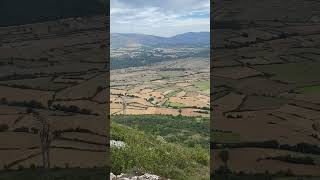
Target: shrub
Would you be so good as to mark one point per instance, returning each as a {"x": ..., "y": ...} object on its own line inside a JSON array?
[
  {"x": 21, "y": 129},
  {"x": 32, "y": 166},
  {"x": 3, "y": 127},
  {"x": 20, "y": 167},
  {"x": 3, "y": 100},
  {"x": 145, "y": 153},
  {"x": 224, "y": 156}
]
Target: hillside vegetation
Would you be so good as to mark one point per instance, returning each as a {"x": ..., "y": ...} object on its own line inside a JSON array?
[
  {"x": 186, "y": 131},
  {"x": 147, "y": 151}
]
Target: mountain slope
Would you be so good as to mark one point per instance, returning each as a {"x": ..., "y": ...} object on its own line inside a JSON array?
[
  {"x": 190, "y": 39},
  {"x": 131, "y": 40},
  {"x": 145, "y": 152}
]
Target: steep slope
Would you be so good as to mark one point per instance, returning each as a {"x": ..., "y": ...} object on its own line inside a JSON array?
[{"x": 147, "y": 153}]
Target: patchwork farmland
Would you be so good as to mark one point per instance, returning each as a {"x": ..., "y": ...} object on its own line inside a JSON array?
[
  {"x": 53, "y": 77},
  {"x": 265, "y": 71},
  {"x": 178, "y": 87}
]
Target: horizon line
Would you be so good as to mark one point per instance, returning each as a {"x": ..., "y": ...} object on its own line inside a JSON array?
[{"x": 160, "y": 35}]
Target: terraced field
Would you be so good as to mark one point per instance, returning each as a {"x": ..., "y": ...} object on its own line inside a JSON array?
[
  {"x": 53, "y": 76},
  {"x": 265, "y": 72}
]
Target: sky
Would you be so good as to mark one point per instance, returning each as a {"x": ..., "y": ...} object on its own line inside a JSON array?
[{"x": 160, "y": 17}]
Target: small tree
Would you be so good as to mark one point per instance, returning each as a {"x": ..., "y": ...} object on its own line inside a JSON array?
[
  {"x": 3, "y": 127},
  {"x": 45, "y": 137},
  {"x": 151, "y": 99},
  {"x": 224, "y": 156}
]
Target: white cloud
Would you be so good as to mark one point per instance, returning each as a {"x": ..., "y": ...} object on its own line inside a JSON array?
[{"x": 160, "y": 17}]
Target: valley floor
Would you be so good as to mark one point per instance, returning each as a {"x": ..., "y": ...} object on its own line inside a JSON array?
[{"x": 168, "y": 88}]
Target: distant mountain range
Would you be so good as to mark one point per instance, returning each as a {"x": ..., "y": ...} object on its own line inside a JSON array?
[{"x": 190, "y": 39}]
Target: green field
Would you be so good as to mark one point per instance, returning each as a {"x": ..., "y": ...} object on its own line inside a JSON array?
[
  {"x": 170, "y": 74},
  {"x": 203, "y": 86},
  {"x": 174, "y": 104},
  {"x": 173, "y": 93},
  {"x": 224, "y": 137},
  {"x": 309, "y": 89},
  {"x": 298, "y": 73}
]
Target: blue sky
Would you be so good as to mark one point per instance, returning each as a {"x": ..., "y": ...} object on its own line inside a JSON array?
[{"x": 160, "y": 17}]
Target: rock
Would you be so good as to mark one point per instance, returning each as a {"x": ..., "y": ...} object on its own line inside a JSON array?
[
  {"x": 112, "y": 176},
  {"x": 117, "y": 144},
  {"x": 146, "y": 176},
  {"x": 150, "y": 176}
]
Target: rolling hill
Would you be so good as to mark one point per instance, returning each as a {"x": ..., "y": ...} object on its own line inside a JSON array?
[{"x": 190, "y": 39}]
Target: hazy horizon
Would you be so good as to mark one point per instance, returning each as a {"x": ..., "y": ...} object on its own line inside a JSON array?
[
  {"x": 161, "y": 36},
  {"x": 164, "y": 18}
]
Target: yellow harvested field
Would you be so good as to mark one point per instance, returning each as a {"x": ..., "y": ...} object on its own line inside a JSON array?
[
  {"x": 90, "y": 122},
  {"x": 115, "y": 111},
  {"x": 145, "y": 91},
  {"x": 117, "y": 91},
  {"x": 78, "y": 145},
  {"x": 101, "y": 97},
  {"x": 183, "y": 84},
  {"x": 190, "y": 101},
  {"x": 141, "y": 101},
  {"x": 62, "y": 157},
  {"x": 181, "y": 94},
  {"x": 4, "y": 109},
  {"x": 9, "y": 119},
  {"x": 157, "y": 95},
  {"x": 83, "y": 104},
  {"x": 19, "y": 140},
  {"x": 84, "y": 137},
  {"x": 9, "y": 156},
  {"x": 252, "y": 155},
  {"x": 163, "y": 111},
  {"x": 20, "y": 95}
]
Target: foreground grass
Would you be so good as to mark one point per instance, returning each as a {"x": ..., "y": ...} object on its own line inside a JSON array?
[{"x": 148, "y": 153}]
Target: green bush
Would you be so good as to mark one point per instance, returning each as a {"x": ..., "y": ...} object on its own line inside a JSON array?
[{"x": 148, "y": 154}]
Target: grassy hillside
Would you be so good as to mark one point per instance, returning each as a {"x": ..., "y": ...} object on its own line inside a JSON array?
[
  {"x": 147, "y": 152},
  {"x": 186, "y": 131}
]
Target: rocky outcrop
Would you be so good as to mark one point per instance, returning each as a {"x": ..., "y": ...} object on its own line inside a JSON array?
[
  {"x": 142, "y": 177},
  {"x": 117, "y": 144}
]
